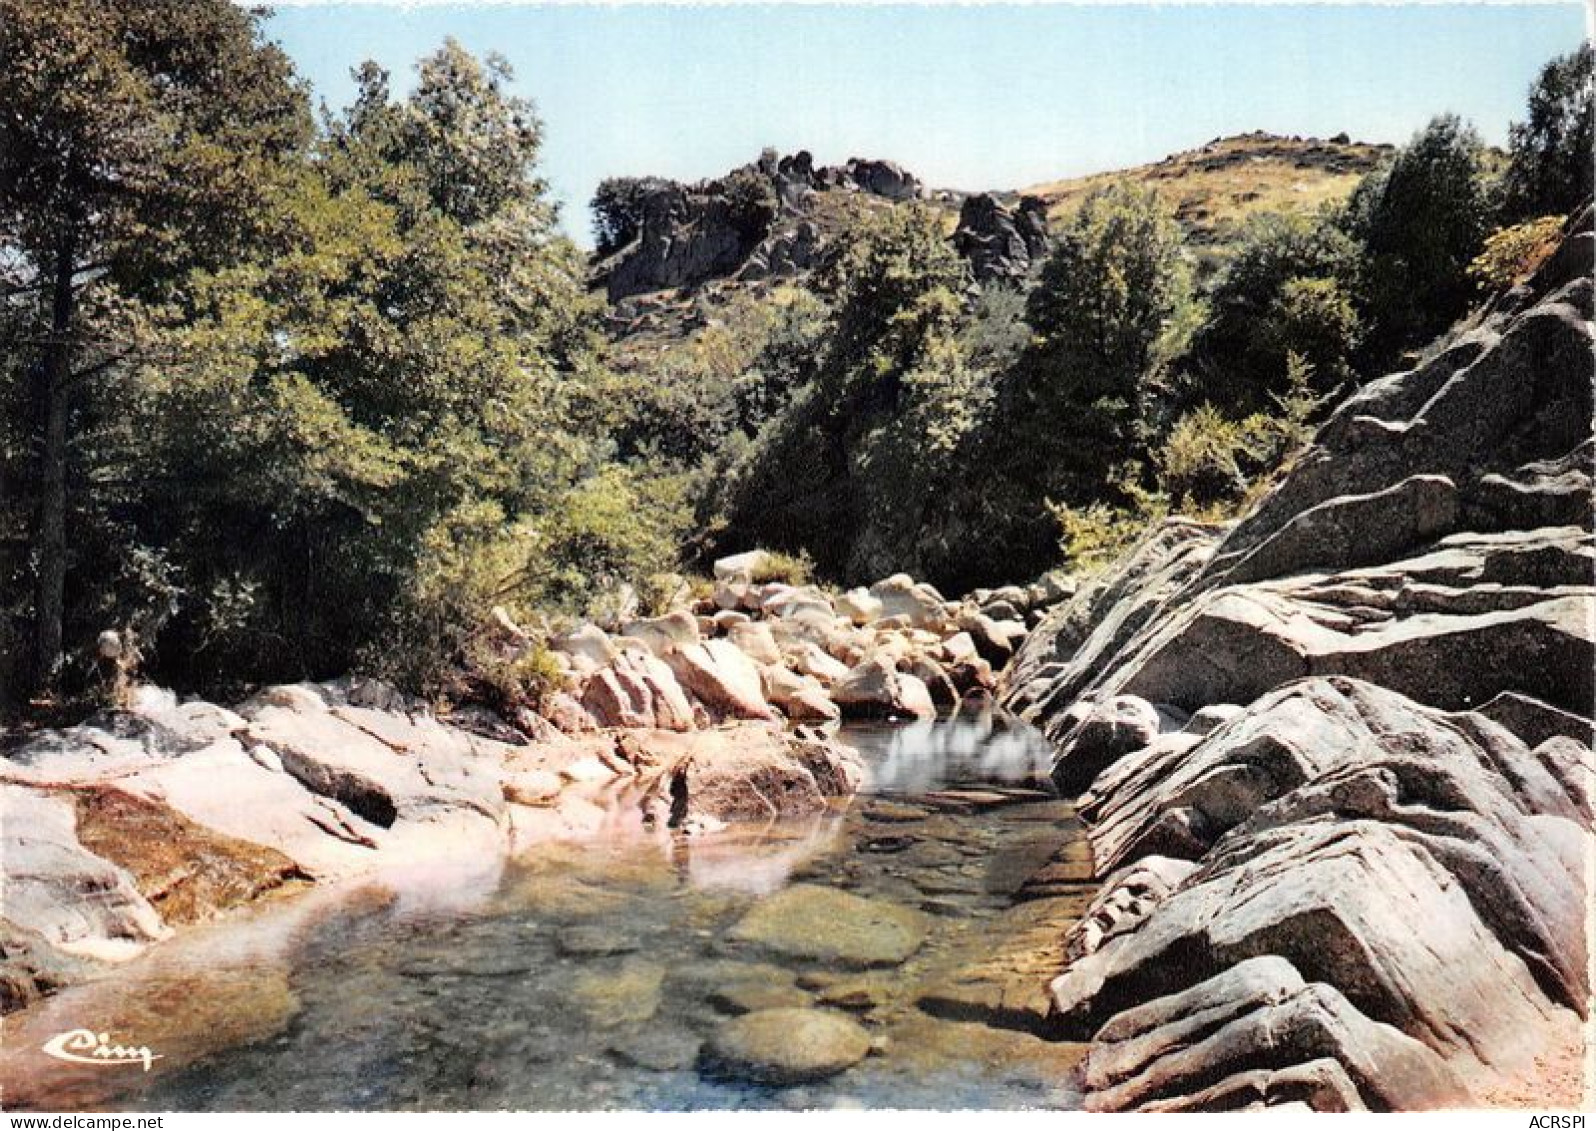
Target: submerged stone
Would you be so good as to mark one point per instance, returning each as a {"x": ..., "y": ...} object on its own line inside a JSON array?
[
  {"x": 857, "y": 995},
  {"x": 826, "y": 925},
  {"x": 586, "y": 940},
  {"x": 656, "y": 1049},
  {"x": 778, "y": 1047},
  {"x": 627, "y": 996},
  {"x": 895, "y": 812},
  {"x": 751, "y": 997}
]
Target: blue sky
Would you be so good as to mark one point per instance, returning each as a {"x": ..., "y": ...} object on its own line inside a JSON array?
[{"x": 967, "y": 97}]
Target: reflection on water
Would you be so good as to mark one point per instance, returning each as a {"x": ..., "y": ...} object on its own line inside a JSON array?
[
  {"x": 587, "y": 976},
  {"x": 984, "y": 746}
]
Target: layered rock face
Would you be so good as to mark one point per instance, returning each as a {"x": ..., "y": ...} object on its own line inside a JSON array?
[{"x": 1337, "y": 762}]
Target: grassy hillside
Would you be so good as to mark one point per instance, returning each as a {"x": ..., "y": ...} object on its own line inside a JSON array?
[
  {"x": 1214, "y": 188},
  {"x": 1210, "y": 190}
]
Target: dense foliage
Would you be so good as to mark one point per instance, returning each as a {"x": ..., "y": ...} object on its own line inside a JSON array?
[
  {"x": 1551, "y": 166},
  {"x": 332, "y": 436},
  {"x": 285, "y": 397},
  {"x": 1290, "y": 286},
  {"x": 136, "y": 146},
  {"x": 1420, "y": 221},
  {"x": 878, "y": 402}
]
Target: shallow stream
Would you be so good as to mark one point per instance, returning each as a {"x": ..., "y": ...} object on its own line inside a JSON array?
[{"x": 586, "y": 976}]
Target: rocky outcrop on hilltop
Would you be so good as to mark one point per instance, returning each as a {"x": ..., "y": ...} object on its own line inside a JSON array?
[
  {"x": 685, "y": 234},
  {"x": 757, "y": 222},
  {"x": 999, "y": 241},
  {"x": 1336, "y": 761}
]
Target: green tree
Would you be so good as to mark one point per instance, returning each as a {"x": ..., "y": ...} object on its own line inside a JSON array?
[
  {"x": 1111, "y": 306},
  {"x": 132, "y": 148},
  {"x": 1421, "y": 220},
  {"x": 1115, "y": 277},
  {"x": 1115, "y": 284},
  {"x": 1287, "y": 270},
  {"x": 1549, "y": 171},
  {"x": 892, "y": 281},
  {"x": 849, "y": 469},
  {"x": 395, "y": 390}
]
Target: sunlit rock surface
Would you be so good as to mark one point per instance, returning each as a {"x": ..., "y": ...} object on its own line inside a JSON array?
[{"x": 1355, "y": 876}]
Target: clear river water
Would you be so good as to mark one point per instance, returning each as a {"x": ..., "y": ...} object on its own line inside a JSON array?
[{"x": 586, "y": 976}]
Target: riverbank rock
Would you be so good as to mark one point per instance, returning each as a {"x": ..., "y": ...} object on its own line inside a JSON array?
[
  {"x": 876, "y": 690},
  {"x": 771, "y": 650},
  {"x": 921, "y": 605},
  {"x": 1356, "y": 876},
  {"x": 637, "y": 690},
  {"x": 860, "y": 606},
  {"x": 59, "y": 892},
  {"x": 587, "y": 646},
  {"x": 1282, "y": 1041},
  {"x": 660, "y": 634},
  {"x": 780, "y": 1047},
  {"x": 188, "y": 872},
  {"x": 722, "y": 678},
  {"x": 1093, "y": 736},
  {"x": 748, "y": 772},
  {"x": 31, "y": 968},
  {"x": 802, "y": 698},
  {"x": 406, "y": 774}
]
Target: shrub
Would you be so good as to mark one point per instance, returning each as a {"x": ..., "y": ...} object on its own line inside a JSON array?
[
  {"x": 864, "y": 443},
  {"x": 1202, "y": 459},
  {"x": 622, "y": 527},
  {"x": 1108, "y": 309},
  {"x": 790, "y": 569},
  {"x": 507, "y": 680},
  {"x": 1290, "y": 286},
  {"x": 1217, "y": 467},
  {"x": 1093, "y": 537},
  {"x": 1512, "y": 254},
  {"x": 996, "y": 333}
]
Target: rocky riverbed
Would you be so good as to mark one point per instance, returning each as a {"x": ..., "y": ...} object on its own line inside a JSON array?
[
  {"x": 841, "y": 958},
  {"x": 136, "y": 822},
  {"x": 1334, "y": 765}
]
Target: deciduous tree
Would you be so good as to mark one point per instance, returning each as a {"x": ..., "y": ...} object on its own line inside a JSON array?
[{"x": 131, "y": 141}]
